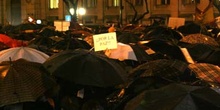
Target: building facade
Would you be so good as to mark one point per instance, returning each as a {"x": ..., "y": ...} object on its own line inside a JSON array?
[{"x": 15, "y": 12}]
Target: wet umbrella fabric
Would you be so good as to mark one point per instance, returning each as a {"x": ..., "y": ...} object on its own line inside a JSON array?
[
  {"x": 162, "y": 33},
  {"x": 27, "y": 53},
  {"x": 176, "y": 97},
  {"x": 86, "y": 67},
  {"x": 128, "y": 37},
  {"x": 70, "y": 44},
  {"x": 192, "y": 28},
  {"x": 27, "y": 27},
  {"x": 204, "y": 53},
  {"x": 170, "y": 70},
  {"x": 207, "y": 72},
  {"x": 43, "y": 43},
  {"x": 200, "y": 38},
  {"x": 168, "y": 49},
  {"x": 23, "y": 81}
]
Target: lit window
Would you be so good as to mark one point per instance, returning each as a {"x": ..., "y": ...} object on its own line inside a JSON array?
[
  {"x": 162, "y": 2},
  {"x": 91, "y": 3},
  {"x": 54, "y": 4},
  {"x": 113, "y": 3}
]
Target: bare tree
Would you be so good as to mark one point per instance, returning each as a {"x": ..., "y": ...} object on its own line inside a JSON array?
[
  {"x": 71, "y": 4},
  {"x": 74, "y": 18},
  {"x": 137, "y": 18}
]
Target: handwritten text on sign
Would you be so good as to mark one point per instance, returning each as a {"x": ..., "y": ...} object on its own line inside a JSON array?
[{"x": 105, "y": 41}]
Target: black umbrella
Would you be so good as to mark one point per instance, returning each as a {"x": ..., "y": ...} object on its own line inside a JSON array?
[
  {"x": 176, "y": 97},
  {"x": 192, "y": 28},
  {"x": 162, "y": 32},
  {"x": 86, "y": 67},
  {"x": 128, "y": 37},
  {"x": 203, "y": 53},
  {"x": 27, "y": 27},
  {"x": 69, "y": 43},
  {"x": 168, "y": 49}
]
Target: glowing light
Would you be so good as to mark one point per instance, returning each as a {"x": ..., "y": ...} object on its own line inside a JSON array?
[
  {"x": 30, "y": 19},
  {"x": 81, "y": 11},
  {"x": 38, "y": 21}
]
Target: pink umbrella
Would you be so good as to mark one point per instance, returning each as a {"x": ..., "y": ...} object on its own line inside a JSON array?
[{"x": 27, "y": 53}]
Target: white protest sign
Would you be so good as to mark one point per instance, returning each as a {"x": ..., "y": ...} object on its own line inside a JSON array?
[
  {"x": 62, "y": 25},
  {"x": 187, "y": 55},
  {"x": 175, "y": 22},
  {"x": 105, "y": 41}
]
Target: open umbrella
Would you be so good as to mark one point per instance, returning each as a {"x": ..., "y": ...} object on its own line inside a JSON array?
[
  {"x": 22, "y": 81},
  {"x": 200, "y": 38},
  {"x": 167, "y": 48},
  {"x": 27, "y": 53},
  {"x": 162, "y": 33},
  {"x": 86, "y": 67},
  {"x": 207, "y": 72},
  {"x": 69, "y": 43},
  {"x": 3, "y": 46},
  {"x": 44, "y": 43},
  {"x": 128, "y": 37},
  {"x": 27, "y": 27},
  {"x": 176, "y": 97},
  {"x": 192, "y": 28},
  {"x": 126, "y": 51},
  {"x": 171, "y": 70},
  {"x": 10, "y": 42}
]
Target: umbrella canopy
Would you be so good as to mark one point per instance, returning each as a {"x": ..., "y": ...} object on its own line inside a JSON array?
[
  {"x": 10, "y": 42},
  {"x": 27, "y": 27},
  {"x": 3, "y": 46},
  {"x": 204, "y": 53},
  {"x": 168, "y": 49},
  {"x": 192, "y": 28},
  {"x": 44, "y": 43},
  {"x": 126, "y": 51},
  {"x": 22, "y": 81},
  {"x": 176, "y": 97},
  {"x": 69, "y": 43},
  {"x": 27, "y": 53},
  {"x": 171, "y": 70},
  {"x": 207, "y": 72},
  {"x": 128, "y": 37},
  {"x": 86, "y": 67},
  {"x": 162, "y": 32},
  {"x": 5, "y": 39},
  {"x": 200, "y": 38}
]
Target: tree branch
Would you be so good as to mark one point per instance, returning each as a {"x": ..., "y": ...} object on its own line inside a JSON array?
[{"x": 135, "y": 11}]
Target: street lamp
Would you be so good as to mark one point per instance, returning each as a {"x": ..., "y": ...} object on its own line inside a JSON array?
[{"x": 81, "y": 11}]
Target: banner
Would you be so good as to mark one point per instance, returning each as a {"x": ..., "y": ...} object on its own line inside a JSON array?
[{"x": 176, "y": 22}]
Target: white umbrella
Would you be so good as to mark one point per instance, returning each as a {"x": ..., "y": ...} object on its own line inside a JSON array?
[
  {"x": 27, "y": 53},
  {"x": 122, "y": 52}
]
